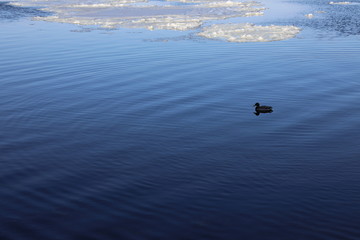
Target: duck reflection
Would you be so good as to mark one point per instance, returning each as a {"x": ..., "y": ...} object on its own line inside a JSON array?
[{"x": 262, "y": 109}]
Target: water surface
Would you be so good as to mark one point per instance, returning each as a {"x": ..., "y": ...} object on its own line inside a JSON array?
[{"x": 136, "y": 134}]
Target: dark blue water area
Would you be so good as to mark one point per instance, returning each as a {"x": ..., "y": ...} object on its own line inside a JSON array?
[
  {"x": 9, "y": 12},
  {"x": 121, "y": 135}
]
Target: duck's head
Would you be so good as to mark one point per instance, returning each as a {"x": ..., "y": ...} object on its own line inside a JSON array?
[{"x": 257, "y": 104}]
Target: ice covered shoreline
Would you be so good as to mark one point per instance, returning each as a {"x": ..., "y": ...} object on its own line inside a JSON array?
[{"x": 201, "y": 16}]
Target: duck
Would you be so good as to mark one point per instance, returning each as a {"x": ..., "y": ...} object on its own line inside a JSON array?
[{"x": 262, "y": 109}]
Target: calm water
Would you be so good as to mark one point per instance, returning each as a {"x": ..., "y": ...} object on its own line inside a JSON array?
[{"x": 132, "y": 134}]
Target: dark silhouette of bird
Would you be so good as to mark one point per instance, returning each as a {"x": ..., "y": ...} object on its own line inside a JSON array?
[{"x": 262, "y": 109}]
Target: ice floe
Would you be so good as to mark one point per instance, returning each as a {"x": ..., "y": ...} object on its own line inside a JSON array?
[
  {"x": 180, "y": 15},
  {"x": 248, "y": 32},
  {"x": 344, "y": 3},
  {"x": 142, "y": 14}
]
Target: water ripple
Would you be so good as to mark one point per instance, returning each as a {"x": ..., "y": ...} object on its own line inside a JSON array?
[{"x": 110, "y": 137}]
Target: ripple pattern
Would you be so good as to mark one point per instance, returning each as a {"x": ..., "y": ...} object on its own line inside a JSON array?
[{"x": 107, "y": 136}]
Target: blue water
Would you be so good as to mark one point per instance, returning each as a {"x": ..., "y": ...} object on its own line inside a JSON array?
[{"x": 132, "y": 134}]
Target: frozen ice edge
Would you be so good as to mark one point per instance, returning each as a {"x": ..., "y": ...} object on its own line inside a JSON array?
[
  {"x": 246, "y": 32},
  {"x": 152, "y": 17},
  {"x": 110, "y": 14},
  {"x": 343, "y": 3}
]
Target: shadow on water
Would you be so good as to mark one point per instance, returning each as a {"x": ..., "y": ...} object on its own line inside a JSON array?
[
  {"x": 258, "y": 112},
  {"x": 10, "y": 12}
]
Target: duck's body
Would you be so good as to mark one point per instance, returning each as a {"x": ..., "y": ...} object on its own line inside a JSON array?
[{"x": 262, "y": 109}]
